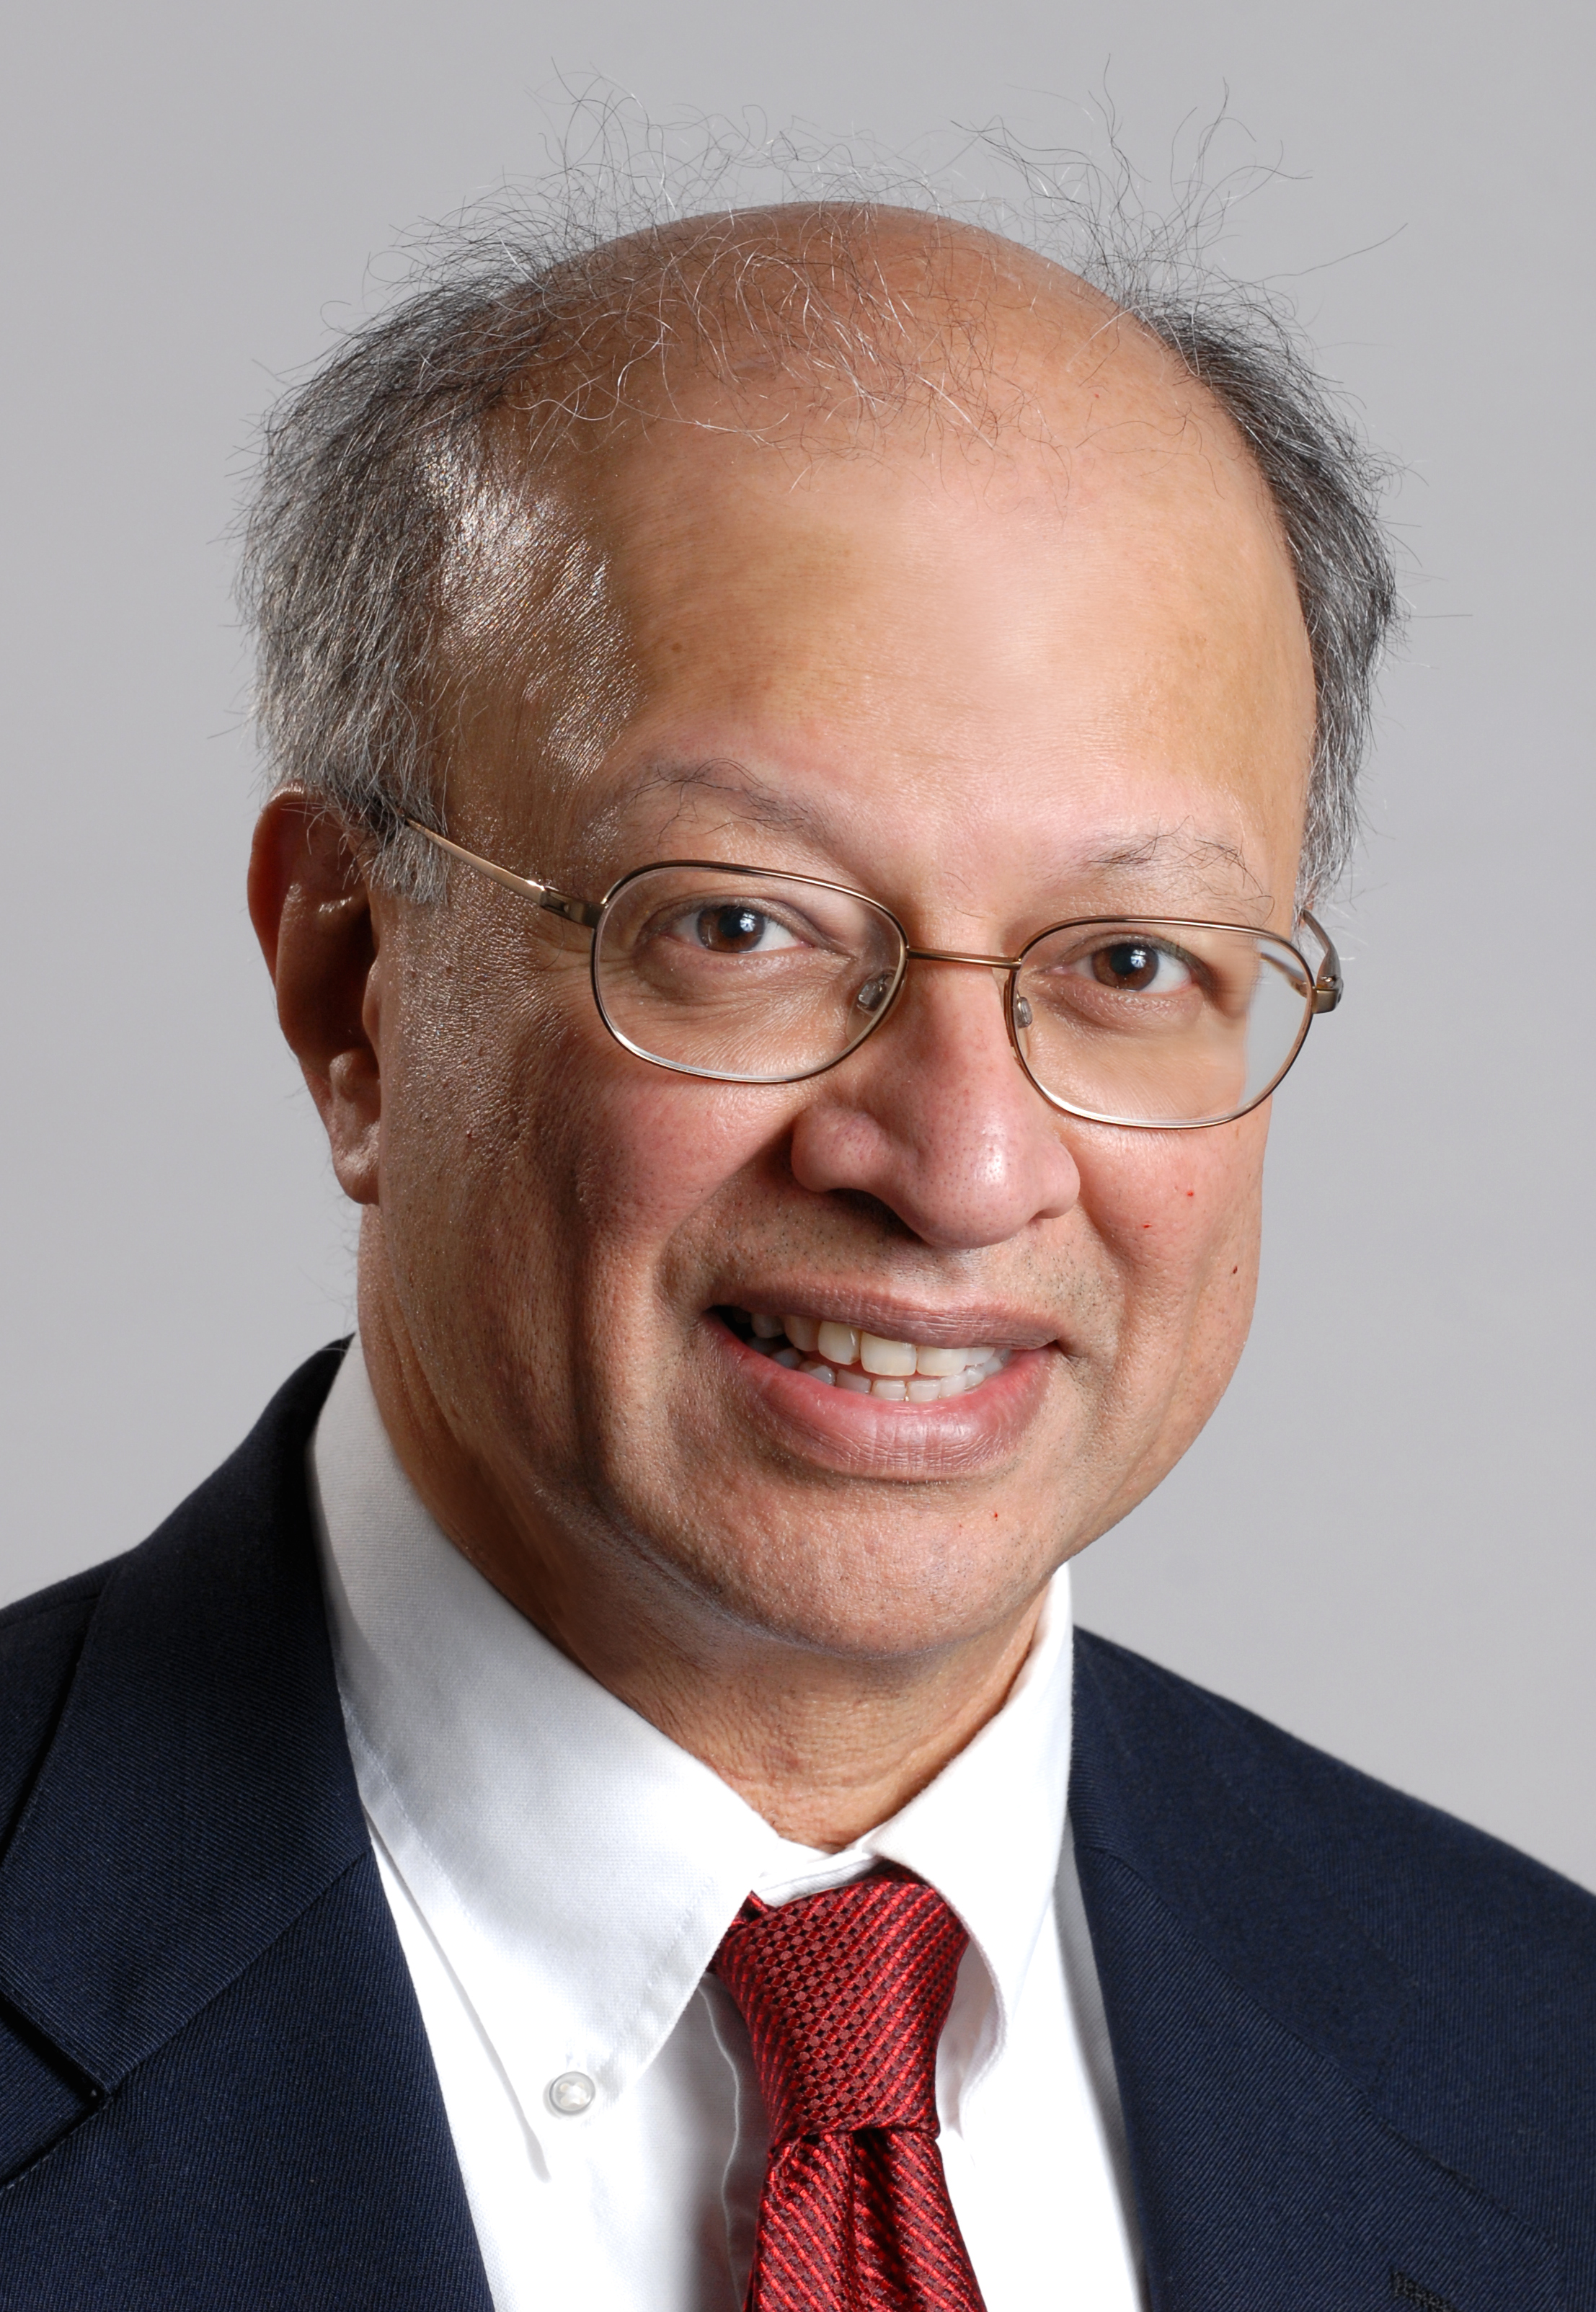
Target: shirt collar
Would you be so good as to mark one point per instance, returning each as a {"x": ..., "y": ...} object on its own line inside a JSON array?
[{"x": 548, "y": 1835}]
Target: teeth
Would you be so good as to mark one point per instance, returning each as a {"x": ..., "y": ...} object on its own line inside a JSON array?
[{"x": 844, "y": 1356}]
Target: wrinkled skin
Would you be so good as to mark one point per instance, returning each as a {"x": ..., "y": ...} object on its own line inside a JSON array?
[{"x": 996, "y": 686}]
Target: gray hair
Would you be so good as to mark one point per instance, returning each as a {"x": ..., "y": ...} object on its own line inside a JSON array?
[{"x": 367, "y": 469}]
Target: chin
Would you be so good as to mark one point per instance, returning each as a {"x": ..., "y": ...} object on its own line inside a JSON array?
[{"x": 864, "y": 1586}]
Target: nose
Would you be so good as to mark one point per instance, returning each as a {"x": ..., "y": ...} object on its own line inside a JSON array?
[{"x": 934, "y": 1118}]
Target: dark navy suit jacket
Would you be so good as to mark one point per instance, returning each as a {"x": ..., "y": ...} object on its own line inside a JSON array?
[{"x": 1355, "y": 2040}]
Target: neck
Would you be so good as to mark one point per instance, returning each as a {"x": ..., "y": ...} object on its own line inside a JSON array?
[{"x": 825, "y": 1746}]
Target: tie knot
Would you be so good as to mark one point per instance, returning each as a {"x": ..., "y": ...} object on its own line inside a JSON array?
[{"x": 845, "y": 1994}]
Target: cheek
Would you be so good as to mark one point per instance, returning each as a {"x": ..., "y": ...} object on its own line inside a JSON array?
[
  {"x": 1178, "y": 1214},
  {"x": 659, "y": 1149},
  {"x": 516, "y": 1132}
]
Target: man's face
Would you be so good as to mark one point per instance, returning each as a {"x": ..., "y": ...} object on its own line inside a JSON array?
[{"x": 996, "y": 691}]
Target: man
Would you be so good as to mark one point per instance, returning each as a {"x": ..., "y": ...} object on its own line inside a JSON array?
[{"x": 809, "y": 741}]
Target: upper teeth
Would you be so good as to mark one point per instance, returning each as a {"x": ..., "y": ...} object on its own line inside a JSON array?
[{"x": 906, "y": 1370}]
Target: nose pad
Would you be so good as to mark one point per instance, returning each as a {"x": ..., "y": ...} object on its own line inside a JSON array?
[
  {"x": 1019, "y": 1020},
  {"x": 874, "y": 992}
]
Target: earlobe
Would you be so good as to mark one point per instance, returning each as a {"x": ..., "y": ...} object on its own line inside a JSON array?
[{"x": 311, "y": 911}]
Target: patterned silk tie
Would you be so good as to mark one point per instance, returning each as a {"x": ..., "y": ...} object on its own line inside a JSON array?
[{"x": 845, "y": 1994}]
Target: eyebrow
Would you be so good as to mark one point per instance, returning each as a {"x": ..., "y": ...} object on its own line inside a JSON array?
[
  {"x": 753, "y": 799},
  {"x": 759, "y": 801},
  {"x": 1204, "y": 852}
]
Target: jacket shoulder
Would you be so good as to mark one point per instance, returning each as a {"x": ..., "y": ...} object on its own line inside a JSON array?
[
  {"x": 42, "y": 1636},
  {"x": 215, "y": 2082},
  {"x": 1486, "y": 1958},
  {"x": 1402, "y": 1866}
]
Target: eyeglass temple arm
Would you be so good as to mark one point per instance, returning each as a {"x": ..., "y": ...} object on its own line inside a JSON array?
[
  {"x": 1329, "y": 987},
  {"x": 585, "y": 912}
]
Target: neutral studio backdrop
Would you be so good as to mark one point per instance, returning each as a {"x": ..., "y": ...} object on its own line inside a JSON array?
[{"x": 1384, "y": 1540}]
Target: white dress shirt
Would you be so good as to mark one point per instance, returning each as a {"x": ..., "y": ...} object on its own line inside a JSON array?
[{"x": 560, "y": 1874}]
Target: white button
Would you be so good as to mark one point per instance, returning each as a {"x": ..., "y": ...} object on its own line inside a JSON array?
[{"x": 572, "y": 2092}]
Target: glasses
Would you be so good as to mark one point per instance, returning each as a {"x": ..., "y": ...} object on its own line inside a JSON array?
[{"x": 741, "y": 975}]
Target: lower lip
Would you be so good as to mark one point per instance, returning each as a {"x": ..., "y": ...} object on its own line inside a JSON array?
[{"x": 865, "y": 1437}]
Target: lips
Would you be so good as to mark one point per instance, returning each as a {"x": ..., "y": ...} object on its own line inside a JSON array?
[
  {"x": 850, "y": 1357},
  {"x": 852, "y": 1432}
]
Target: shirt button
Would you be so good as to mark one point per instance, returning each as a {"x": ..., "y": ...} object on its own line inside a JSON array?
[{"x": 572, "y": 2092}]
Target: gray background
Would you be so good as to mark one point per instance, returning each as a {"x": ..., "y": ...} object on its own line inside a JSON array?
[{"x": 1384, "y": 1540}]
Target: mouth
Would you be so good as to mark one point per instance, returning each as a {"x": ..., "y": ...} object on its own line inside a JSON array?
[{"x": 844, "y": 1356}]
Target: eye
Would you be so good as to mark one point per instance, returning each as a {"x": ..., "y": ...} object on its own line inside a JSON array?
[
  {"x": 735, "y": 927},
  {"x": 1138, "y": 966}
]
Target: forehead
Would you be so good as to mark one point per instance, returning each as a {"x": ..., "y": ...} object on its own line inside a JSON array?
[{"x": 1075, "y": 602}]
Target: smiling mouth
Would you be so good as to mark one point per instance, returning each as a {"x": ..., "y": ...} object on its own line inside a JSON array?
[{"x": 844, "y": 1356}]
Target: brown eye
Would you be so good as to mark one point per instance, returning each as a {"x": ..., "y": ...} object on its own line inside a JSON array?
[
  {"x": 737, "y": 929},
  {"x": 1138, "y": 967},
  {"x": 1128, "y": 963}
]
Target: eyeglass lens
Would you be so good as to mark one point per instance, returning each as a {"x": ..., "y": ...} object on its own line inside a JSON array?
[{"x": 767, "y": 978}]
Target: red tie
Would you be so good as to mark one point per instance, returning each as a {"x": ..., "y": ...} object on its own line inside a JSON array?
[{"x": 844, "y": 1995}]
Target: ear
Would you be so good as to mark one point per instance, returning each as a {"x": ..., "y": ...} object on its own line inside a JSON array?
[{"x": 313, "y": 914}]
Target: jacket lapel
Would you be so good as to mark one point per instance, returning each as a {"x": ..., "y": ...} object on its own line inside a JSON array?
[
  {"x": 1250, "y": 2019},
  {"x": 194, "y": 1939}
]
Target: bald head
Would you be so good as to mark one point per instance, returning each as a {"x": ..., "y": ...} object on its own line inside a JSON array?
[
  {"x": 870, "y": 308},
  {"x": 449, "y": 473},
  {"x": 817, "y": 327},
  {"x": 799, "y": 400}
]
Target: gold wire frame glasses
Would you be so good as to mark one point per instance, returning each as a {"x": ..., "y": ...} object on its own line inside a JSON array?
[{"x": 743, "y": 975}]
